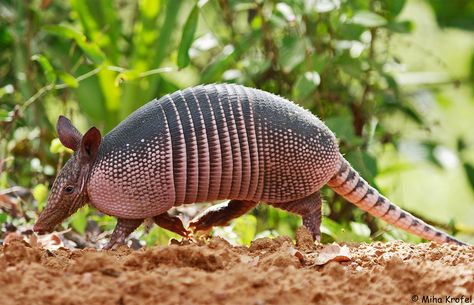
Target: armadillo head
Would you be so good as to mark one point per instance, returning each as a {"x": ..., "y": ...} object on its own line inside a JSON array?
[{"x": 69, "y": 191}]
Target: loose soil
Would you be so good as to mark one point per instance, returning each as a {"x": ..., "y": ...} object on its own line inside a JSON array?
[{"x": 270, "y": 271}]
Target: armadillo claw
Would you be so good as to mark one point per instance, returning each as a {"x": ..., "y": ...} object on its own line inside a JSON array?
[
  {"x": 122, "y": 230},
  {"x": 171, "y": 223},
  {"x": 204, "y": 223},
  {"x": 115, "y": 241}
]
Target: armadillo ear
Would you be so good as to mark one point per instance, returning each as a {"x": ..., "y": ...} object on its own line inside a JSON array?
[
  {"x": 90, "y": 144},
  {"x": 68, "y": 134}
]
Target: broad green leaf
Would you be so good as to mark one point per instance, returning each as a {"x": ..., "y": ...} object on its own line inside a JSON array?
[
  {"x": 5, "y": 116},
  {"x": 332, "y": 228},
  {"x": 63, "y": 31},
  {"x": 79, "y": 220},
  {"x": 365, "y": 164},
  {"x": 411, "y": 113},
  {"x": 368, "y": 19},
  {"x": 360, "y": 229},
  {"x": 3, "y": 217},
  {"x": 469, "y": 169},
  {"x": 401, "y": 26},
  {"x": 68, "y": 79},
  {"x": 306, "y": 84},
  {"x": 461, "y": 145},
  {"x": 106, "y": 222},
  {"x": 322, "y": 6},
  {"x": 187, "y": 37},
  {"x": 40, "y": 193},
  {"x": 342, "y": 126},
  {"x": 90, "y": 49},
  {"x": 7, "y": 89},
  {"x": 245, "y": 227},
  {"x": 159, "y": 236},
  {"x": 286, "y": 11},
  {"x": 458, "y": 14},
  {"x": 291, "y": 53},
  {"x": 46, "y": 66},
  {"x": 56, "y": 147},
  {"x": 394, "y": 7}
]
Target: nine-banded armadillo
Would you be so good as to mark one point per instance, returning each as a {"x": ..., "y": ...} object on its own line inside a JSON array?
[{"x": 210, "y": 143}]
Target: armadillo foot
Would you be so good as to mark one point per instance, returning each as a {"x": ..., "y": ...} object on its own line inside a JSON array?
[
  {"x": 122, "y": 230},
  {"x": 310, "y": 210},
  {"x": 171, "y": 223},
  {"x": 221, "y": 214}
]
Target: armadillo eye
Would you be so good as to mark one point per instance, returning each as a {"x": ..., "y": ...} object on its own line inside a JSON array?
[{"x": 69, "y": 189}]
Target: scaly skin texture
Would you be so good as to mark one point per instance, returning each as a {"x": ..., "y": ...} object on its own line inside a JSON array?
[{"x": 219, "y": 142}]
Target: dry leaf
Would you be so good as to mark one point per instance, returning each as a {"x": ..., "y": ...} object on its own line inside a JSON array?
[
  {"x": 332, "y": 253},
  {"x": 48, "y": 241},
  {"x": 296, "y": 253}
]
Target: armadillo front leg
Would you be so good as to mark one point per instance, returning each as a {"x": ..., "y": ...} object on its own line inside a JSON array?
[
  {"x": 221, "y": 214},
  {"x": 309, "y": 208},
  {"x": 171, "y": 223},
  {"x": 123, "y": 228}
]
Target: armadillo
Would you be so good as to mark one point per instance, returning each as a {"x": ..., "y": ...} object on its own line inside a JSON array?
[{"x": 210, "y": 143}]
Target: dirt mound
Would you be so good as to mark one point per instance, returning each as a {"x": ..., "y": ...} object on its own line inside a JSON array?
[{"x": 270, "y": 271}]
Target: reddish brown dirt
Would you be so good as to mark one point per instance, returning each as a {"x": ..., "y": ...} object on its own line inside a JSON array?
[{"x": 267, "y": 272}]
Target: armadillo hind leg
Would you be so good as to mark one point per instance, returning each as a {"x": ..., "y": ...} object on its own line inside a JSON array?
[
  {"x": 347, "y": 183},
  {"x": 310, "y": 210},
  {"x": 171, "y": 223},
  {"x": 221, "y": 214},
  {"x": 123, "y": 228}
]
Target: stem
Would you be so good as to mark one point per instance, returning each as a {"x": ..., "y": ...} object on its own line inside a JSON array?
[{"x": 85, "y": 76}]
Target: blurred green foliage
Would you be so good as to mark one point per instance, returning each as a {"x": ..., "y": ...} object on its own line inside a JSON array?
[{"x": 98, "y": 61}]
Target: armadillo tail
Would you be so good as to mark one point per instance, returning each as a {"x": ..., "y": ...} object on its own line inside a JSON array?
[{"x": 347, "y": 183}]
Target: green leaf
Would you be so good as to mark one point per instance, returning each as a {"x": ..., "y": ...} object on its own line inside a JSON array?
[
  {"x": 245, "y": 227},
  {"x": 306, "y": 84},
  {"x": 286, "y": 11},
  {"x": 469, "y": 169},
  {"x": 331, "y": 228},
  {"x": 365, "y": 164},
  {"x": 90, "y": 49},
  {"x": 46, "y": 66},
  {"x": 461, "y": 145},
  {"x": 5, "y": 116},
  {"x": 360, "y": 229},
  {"x": 40, "y": 193},
  {"x": 291, "y": 53},
  {"x": 459, "y": 14},
  {"x": 63, "y": 31},
  {"x": 159, "y": 236},
  {"x": 322, "y": 6},
  {"x": 56, "y": 147},
  {"x": 68, "y": 79},
  {"x": 342, "y": 126},
  {"x": 3, "y": 217},
  {"x": 187, "y": 37},
  {"x": 368, "y": 19},
  {"x": 7, "y": 89},
  {"x": 394, "y": 7},
  {"x": 79, "y": 220},
  {"x": 401, "y": 26}
]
